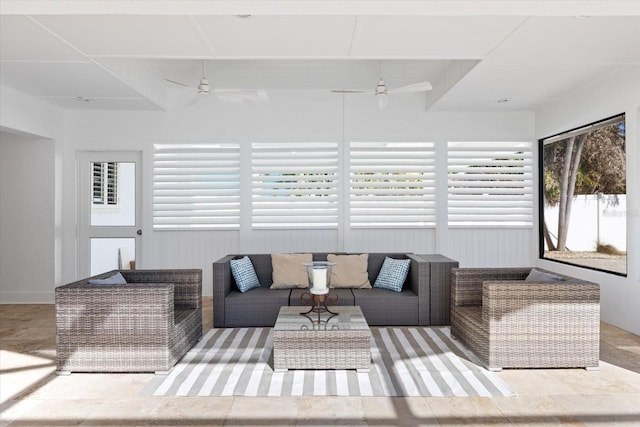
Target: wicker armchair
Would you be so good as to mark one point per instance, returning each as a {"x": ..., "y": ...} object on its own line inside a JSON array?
[
  {"x": 508, "y": 322},
  {"x": 146, "y": 325}
]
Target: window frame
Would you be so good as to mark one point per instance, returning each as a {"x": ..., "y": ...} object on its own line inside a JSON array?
[{"x": 541, "y": 188}]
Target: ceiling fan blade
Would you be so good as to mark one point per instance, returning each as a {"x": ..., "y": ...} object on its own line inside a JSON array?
[
  {"x": 350, "y": 91},
  {"x": 179, "y": 84},
  {"x": 241, "y": 95},
  {"x": 416, "y": 87}
]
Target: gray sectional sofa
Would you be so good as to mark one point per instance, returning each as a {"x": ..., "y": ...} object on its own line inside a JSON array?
[{"x": 428, "y": 275}]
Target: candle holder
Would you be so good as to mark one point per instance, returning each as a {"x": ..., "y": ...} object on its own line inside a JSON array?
[{"x": 319, "y": 273}]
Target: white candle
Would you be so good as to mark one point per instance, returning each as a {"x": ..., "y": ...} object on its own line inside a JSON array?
[{"x": 320, "y": 280}]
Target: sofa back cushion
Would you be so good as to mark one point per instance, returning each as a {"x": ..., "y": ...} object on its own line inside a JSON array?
[
  {"x": 288, "y": 271},
  {"x": 350, "y": 271},
  {"x": 262, "y": 266},
  {"x": 377, "y": 259}
]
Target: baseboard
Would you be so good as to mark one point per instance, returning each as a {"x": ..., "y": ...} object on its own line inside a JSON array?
[{"x": 27, "y": 297}]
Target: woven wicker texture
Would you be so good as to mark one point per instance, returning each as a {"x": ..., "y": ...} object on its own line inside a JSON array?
[
  {"x": 341, "y": 343},
  {"x": 146, "y": 325},
  {"x": 511, "y": 323}
]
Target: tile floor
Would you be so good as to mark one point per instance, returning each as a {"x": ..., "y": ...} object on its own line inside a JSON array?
[{"x": 32, "y": 395}]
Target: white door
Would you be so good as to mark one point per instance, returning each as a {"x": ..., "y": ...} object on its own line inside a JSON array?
[{"x": 109, "y": 211}]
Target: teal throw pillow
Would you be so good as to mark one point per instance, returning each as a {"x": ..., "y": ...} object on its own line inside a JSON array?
[
  {"x": 244, "y": 274},
  {"x": 116, "y": 279},
  {"x": 392, "y": 274}
]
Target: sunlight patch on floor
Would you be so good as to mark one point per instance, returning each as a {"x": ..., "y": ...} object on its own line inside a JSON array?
[{"x": 19, "y": 372}]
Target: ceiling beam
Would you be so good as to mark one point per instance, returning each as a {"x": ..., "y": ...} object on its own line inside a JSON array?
[
  {"x": 137, "y": 78},
  {"x": 452, "y": 75},
  {"x": 325, "y": 7}
]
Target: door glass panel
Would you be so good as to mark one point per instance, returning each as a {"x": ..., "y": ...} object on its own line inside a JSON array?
[
  {"x": 113, "y": 193},
  {"x": 112, "y": 254}
]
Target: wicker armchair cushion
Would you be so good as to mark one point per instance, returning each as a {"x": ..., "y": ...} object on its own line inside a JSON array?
[
  {"x": 350, "y": 271},
  {"x": 542, "y": 276},
  {"x": 116, "y": 279},
  {"x": 392, "y": 274},
  {"x": 288, "y": 271},
  {"x": 244, "y": 274}
]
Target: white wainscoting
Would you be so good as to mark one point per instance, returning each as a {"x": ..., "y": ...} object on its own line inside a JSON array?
[
  {"x": 391, "y": 240},
  {"x": 278, "y": 241},
  {"x": 192, "y": 249},
  {"x": 490, "y": 247}
]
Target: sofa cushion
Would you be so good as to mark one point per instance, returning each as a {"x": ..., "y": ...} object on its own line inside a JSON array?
[
  {"x": 244, "y": 274},
  {"x": 392, "y": 274},
  {"x": 382, "y": 307},
  {"x": 116, "y": 279},
  {"x": 350, "y": 271},
  {"x": 259, "y": 307},
  {"x": 288, "y": 271},
  {"x": 542, "y": 276},
  {"x": 345, "y": 297}
]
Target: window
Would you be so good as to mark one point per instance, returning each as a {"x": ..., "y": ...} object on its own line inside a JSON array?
[
  {"x": 196, "y": 186},
  {"x": 105, "y": 184},
  {"x": 490, "y": 184},
  {"x": 392, "y": 184},
  {"x": 294, "y": 185},
  {"x": 583, "y": 196}
]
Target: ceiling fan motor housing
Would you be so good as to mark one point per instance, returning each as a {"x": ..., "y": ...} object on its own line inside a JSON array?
[{"x": 204, "y": 87}]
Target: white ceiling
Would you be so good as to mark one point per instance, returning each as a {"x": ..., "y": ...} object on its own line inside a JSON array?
[{"x": 118, "y": 54}]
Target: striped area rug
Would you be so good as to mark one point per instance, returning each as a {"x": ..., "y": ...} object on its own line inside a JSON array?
[{"x": 406, "y": 361}]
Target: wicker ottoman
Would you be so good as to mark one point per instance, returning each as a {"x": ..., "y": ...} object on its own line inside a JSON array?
[{"x": 342, "y": 341}]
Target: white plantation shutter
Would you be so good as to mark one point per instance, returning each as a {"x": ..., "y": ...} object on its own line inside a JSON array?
[
  {"x": 294, "y": 185},
  {"x": 490, "y": 184},
  {"x": 196, "y": 186},
  {"x": 392, "y": 184},
  {"x": 105, "y": 184}
]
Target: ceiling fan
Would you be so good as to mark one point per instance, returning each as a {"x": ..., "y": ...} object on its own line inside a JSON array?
[
  {"x": 381, "y": 91},
  {"x": 204, "y": 88}
]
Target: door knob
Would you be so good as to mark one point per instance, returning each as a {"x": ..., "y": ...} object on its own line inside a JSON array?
[{"x": 139, "y": 232}]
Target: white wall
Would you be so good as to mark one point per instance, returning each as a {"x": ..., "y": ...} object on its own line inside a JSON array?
[
  {"x": 296, "y": 116},
  {"x": 28, "y": 115},
  {"x": 26, "y": 219},
  {"x": 612, "y": 94},
  {"x": 40, "y": 128}
]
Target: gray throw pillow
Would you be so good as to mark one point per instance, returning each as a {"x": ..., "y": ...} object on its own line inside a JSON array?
[
  {"x": 542, "y": 276},
  {"x": 116, "y": 279}
]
